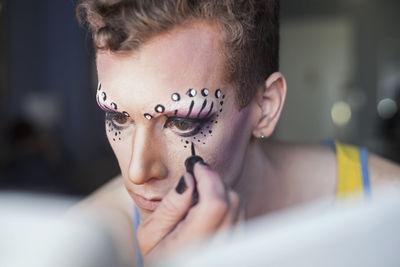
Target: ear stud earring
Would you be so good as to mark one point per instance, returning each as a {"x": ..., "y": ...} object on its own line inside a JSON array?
[{"x": 262, "y": 136}]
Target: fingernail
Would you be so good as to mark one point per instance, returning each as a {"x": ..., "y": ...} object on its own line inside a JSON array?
[
  {"x": 191, "y": 161},
  {"x": 181, "y": 187},
  {"x": 195, "y": 198},
  {"x": 205, "y": 164}
]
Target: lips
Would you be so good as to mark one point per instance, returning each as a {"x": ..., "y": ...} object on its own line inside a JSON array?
[{"x": 145, "y": 203}]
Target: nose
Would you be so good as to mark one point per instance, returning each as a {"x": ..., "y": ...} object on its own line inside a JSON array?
[{"x": 146, "y": 161}]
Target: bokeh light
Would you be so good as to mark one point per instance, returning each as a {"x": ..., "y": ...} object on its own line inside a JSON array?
[
  {"x": 387, "y": 108},
  {"x": 341, "y": 113}
]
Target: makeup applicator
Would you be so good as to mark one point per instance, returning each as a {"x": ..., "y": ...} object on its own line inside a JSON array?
[{"x": 189, "y": 164}]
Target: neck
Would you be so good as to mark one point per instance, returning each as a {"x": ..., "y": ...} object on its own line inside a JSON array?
[{"x": 257, "y": 180}]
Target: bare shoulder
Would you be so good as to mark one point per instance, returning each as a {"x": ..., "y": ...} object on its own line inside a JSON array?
[
  {"x": 110, "y": 196},
  {"x": 112, "y": 207},
  {"x": 383, "y": 172},
  {"x": 309, "y": 169}
]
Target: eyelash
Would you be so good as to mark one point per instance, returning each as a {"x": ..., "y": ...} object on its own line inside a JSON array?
[
  {"x": 113, "y": 116},
  {"x": 198, "y": 124},
  {"x": 171, "y": 122}
]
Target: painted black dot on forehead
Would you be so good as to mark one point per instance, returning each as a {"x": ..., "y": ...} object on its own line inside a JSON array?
[
  {"x": 204, "y": 92},
  {"x": 218, "y": 93},
  {"x": 103, "y": 96},
  {"x": 175, "y": 97},
  {"x": 148, "y": 116},
  {"x": 191, "y": 92},
  {"x": 159, "y": 108}
]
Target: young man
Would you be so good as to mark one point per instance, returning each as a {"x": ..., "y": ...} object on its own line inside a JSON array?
[{"x": 178, "y": 78}]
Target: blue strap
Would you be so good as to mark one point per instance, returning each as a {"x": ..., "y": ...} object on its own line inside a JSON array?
[
  {"x": 365, "y": 173},
  {"x": 136, "y": 221}
]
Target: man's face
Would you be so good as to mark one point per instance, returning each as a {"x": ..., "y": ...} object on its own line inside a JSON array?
[{"x": 161, "y": 99}]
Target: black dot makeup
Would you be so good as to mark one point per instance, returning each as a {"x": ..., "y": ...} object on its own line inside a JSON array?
[
  {"x": 175, "y": 97},
  {"x": 159, "y": 108},
  {"x": 191, "y": 92},
  {"x": 218, "y": 93},
  {"x": 204, "y": 92},
  {"x": 148, "y": 116},
  {"x": 113, "y": 105}
]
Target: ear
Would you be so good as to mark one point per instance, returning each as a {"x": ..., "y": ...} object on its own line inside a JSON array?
[{"x": 270, "y": 100}]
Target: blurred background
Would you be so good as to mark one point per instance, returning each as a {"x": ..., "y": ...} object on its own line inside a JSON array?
[{"x": 341, "y": 60}]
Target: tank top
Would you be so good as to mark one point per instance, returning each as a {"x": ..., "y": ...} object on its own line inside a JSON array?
[
  {"x": 352, "y": 179},
  {"x": 352, "y": 170}
]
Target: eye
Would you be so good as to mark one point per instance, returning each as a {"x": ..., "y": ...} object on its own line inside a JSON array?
[
  {"x": 122, "y": 119},
  {"x": 184, "y": 126},
  {"x": 117, "y": 119}
]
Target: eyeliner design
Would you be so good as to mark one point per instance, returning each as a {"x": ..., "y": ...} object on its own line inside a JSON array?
[
  {"x": 212, "y": 105},
  {"x": 190, "y": 109},
  {"x": 202, "y": 107},
  {"x": 102, "y": 106},
  {"x": 195, "y": 128},
  {"x": 111, "y": 115}
]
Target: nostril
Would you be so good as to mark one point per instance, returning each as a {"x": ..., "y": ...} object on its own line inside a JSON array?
[{"x": 143, "y": 172}]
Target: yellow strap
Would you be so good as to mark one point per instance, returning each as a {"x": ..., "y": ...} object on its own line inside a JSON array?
[{"x": 349, "y": 170}]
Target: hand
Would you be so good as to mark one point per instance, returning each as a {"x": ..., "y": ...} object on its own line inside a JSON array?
[{"x": 175, "y": 222}]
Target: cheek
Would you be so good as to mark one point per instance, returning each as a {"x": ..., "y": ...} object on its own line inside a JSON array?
[
  {"x": 229, "y": 143},
  {"x": 121, "y": 143}
]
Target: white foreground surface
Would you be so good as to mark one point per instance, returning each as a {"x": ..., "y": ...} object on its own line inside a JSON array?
[
  {"x": 34, "y": 233},
  {"x": 356, "y": 234}
]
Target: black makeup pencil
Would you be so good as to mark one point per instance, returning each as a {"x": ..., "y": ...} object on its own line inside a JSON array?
[{"x": 189, "y": 164}]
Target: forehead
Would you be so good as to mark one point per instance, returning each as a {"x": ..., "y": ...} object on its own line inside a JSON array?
[{"x": 186, "y": 57}]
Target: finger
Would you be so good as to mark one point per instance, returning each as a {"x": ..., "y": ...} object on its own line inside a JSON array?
[
  {"x": 212, "y": 207},
  {"x": 172, "y": 209}
]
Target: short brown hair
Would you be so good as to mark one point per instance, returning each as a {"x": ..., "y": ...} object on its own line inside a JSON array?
[{"x": 250, "y": 30}]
